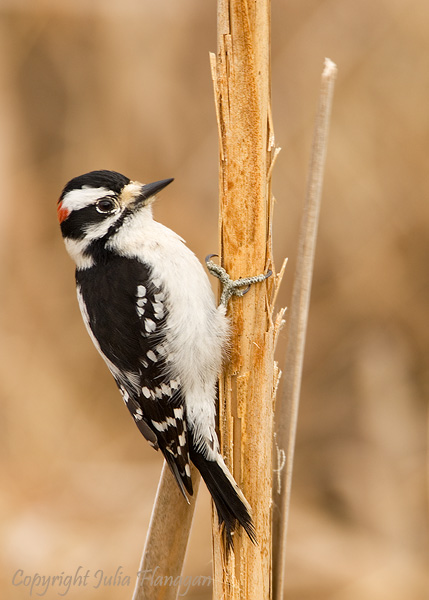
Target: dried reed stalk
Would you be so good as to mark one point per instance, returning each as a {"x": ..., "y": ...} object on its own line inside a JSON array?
[
  {"x": 166, "y": 541},
  {"x": 241, "y": 76},
  {"x": 287, "y": 410}
]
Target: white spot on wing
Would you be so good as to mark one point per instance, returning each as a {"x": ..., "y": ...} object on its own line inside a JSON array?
[
  {"x": 149, "y": 325},
  {"x": 160, "y": 426},
  {"x": 151, "y": 356},
  {"x": 159, "y": 310},
  {"x": 161, "y": 349},
  {"x": 165, "y": 389},
  {"x": 125, "y": 395},
  {"x": 178, "y": 412}
]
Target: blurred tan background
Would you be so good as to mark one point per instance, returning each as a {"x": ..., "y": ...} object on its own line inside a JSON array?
[{"x": 125, "y": 85}]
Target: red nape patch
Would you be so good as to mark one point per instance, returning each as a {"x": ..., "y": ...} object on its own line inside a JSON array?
[{"x": 62, "y": 212}]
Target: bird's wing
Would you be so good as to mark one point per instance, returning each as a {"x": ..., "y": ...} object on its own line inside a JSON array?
[{"x": 125, "y": 311}]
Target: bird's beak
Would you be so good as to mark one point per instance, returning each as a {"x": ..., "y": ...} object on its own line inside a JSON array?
[
  {"x": 150, "y": 189},
  {"x": 135, "y": 194},
  {"x": 147, "y": 191}
]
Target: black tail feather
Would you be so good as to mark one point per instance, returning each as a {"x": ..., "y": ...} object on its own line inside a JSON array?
[
  {"x": 182, "y": 481},
  {"x": 231, "y": 509}
]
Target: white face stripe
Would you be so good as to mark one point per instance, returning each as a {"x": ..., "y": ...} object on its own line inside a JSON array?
[
  {"x": 76, "y": 249},
  {"x": 77, "y": 199},
  {"x": 85, "y": 196},
  {"x": 96, "y": 231}
]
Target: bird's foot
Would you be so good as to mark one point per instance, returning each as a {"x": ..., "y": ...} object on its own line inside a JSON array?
[{"x": 230, "y": 287}]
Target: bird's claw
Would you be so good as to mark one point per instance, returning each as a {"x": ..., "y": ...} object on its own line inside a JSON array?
[{"x": 232, "y": 287}]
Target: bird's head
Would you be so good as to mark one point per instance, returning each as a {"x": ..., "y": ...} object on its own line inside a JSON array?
[{"x": 93, "y": 207}]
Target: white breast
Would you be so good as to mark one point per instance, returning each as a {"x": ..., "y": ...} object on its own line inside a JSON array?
[{"x": 196, "y": 331}]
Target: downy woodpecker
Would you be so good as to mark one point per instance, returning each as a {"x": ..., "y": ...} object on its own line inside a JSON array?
[{"x": 149, "y": 309}]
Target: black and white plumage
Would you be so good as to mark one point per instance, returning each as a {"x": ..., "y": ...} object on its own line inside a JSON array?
[{"x": 150, "y": 311}]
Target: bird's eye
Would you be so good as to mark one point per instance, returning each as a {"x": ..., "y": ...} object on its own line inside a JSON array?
[{"x": 106, "y": 205}]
